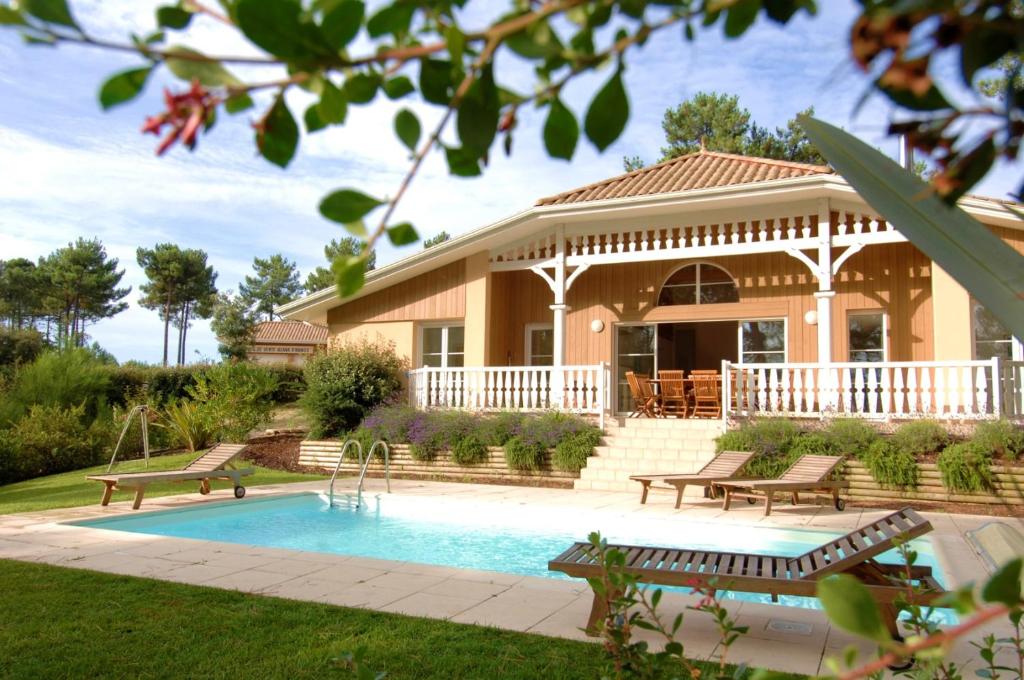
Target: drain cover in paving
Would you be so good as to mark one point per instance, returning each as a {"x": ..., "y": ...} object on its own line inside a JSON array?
[{"x": 792, "y": 627}]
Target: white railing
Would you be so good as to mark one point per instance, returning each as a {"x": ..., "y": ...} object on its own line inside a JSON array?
[
  {"x": 579, "y": 389},
  {"x": 892, "y": 389}
]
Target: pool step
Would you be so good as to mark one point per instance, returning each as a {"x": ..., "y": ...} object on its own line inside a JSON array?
[{"x": 649, "y": 446}]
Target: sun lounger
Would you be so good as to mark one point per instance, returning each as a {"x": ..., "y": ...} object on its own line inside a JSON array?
[
  {"x": 809, "y": 474},
  {"x": 855, "y": 553},
  {"x": 722, "y": 468},
  {"x": 211, "y": 465}
]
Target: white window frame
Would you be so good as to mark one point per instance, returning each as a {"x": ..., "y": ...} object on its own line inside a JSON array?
[
  {"x": 444, "y": 326},
  {"x": 1016, "y": 344},
  {"x": 885, "y": 332},
  {"x": 739, "y": 338},
  {"x": 528, "y": 340},
  {"x": 615, "y": 355},
  {"x": 696, "y": 284}
]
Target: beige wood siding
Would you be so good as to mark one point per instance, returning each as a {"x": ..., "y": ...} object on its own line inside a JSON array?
[{"x": 436, "y": 295}]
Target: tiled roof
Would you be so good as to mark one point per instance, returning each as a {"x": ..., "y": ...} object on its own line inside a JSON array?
[
  {"x": 290, "y": 332},
  {"x": 699, "y": 170}
]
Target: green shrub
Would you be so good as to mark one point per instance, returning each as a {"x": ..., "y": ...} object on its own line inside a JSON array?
[
  {"x": 343, "y": 385},
  {"x": 571, "y": 454},
  {"x": 1001, "y": 438},
  {"x": 235, "y": 397},
  {"x": 812, "y": 444},
  {"x": 850, "y": 436},
  {"x": 8, "y": 458},
  {"x": 919, "y": 437},
  {"x": 966, "y": 467},
  {"x": 188, "y": 423},
  {"x": 61, "y": 379},
  {"x": 469, "y": 450},
  {"x": 891, "y": 466},
  {"x": 548, "y": 429},
  {"x": 497, "y": 429},
  {"x": 19, "y": 347},
  {"x": 770, "y": 440},
  {"x": 521, "y": 455},
  {"x": 51, "y": 439}
]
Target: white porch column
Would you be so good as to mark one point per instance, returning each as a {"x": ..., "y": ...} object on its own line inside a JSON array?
[
  {"x": 558, "y": 311},
  {"x": 825, "y": 293}
]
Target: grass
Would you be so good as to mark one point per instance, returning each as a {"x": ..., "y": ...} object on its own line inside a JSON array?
[
  {"x": 72, "y": 489},
  {"x": 59, "y": 622}
]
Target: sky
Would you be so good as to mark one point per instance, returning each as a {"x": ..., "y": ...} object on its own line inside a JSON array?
[{"x": 69, "y": 170}]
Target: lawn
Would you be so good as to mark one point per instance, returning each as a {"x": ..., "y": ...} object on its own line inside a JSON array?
[
  {"x": 58, "y": 622},
  {"x": 70, "y": 489}
]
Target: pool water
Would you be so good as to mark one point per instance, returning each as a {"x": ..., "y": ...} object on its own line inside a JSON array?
[{"x": 516, "y": 540}]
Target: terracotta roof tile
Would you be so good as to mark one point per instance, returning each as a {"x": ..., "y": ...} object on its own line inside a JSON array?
[
  {"x": 290, "y": 332},
  {"x": 700, "y": 170}
]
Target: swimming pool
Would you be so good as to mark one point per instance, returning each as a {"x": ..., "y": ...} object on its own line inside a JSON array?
[{"x": 517, "y": 539}]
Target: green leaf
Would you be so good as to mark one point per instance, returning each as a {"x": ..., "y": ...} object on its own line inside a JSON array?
[
  {"x": 1004, "y": 585},
  {"x": 350, "y": 274},
  {"x": 849, "y": 605},
  {"x": 333, "y": 106},
  {"x": 608, "y": 113},
  {"x": 341, "y": 23},
  {"x": 477, "y": 117},
  {"x": 980, "y": 48},
  {"x": 361, "y": 88},
  {"x": 561, "y": 131},
  {"x": 976, "y": 258},
  {"x": 456, "y": 42},
  {"x": 170, "y": 16},
  {"x": 209, "y": 73},
  {"x": 407, "y": 127},
  {"x": 10, "y": 17},
  {"x": 123, "y": 86},
  {"x": 50, "y": 11},
  {"x": 402, "y": 234},
  {"x": 357, "y": 228},
  {"x": 932, "y": 100},
  {"x": 740, "y": 17},
  {"x": 462, "y": 163},
  {"x": 347, "y": 205},
  {"x": 436, "y": 81},
  {"x": 238, "y": 103},
  {"x": 312, "y": 119},
  {"x": 279, "y": 136},
  {"x": 278, "y": 27},
  {"x": 393, "y": 19},
  {"x": 398, "y": 87},
  {"x": 536, "y": 42}
]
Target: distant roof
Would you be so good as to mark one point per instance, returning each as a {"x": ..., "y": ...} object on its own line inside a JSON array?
[
  {"x": 699, "y": 170},
  {"x": 290, "y": 332}
]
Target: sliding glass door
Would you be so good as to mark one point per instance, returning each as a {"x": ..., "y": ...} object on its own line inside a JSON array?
[{"x": 636, "y": 350}]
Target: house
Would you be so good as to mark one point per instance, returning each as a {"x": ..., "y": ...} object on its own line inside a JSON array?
[
  {"x": 775, "y": 273},
  {"x": 287, "y": 342}
]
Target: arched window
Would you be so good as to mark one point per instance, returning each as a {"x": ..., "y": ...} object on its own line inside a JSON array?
[{"x": 699, "y": 284}]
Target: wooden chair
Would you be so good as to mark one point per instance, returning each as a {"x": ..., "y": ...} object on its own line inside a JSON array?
[
  {"x": 722, "y": 467},
  {"x": 810, "y": 473},
  {"x": 645, "y": 402},
  {"x": 707, "y": 394},
  {"x": 674, "y": 399},
  {"x": 210, "y": 465},
  {"x": 855, "y": 553}
]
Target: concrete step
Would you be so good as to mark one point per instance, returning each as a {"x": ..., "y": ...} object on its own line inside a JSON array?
[{"x": 658, "y": 443}]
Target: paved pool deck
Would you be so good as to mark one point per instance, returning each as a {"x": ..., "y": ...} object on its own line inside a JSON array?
[{"x": 782, "y": 638}]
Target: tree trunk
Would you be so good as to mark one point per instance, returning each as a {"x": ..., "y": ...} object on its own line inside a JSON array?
[
  {"x": 184, "y": 331},
  {"x": 167, "y": 325},
  {"x": 181, "y": 325}
]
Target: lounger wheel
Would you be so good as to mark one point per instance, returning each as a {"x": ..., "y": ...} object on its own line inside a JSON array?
[
  {"x": 902, "y": 664},
  {"x": 840, "y": 504},
  {"x": 239, "y": 492},
  {"x": 203, "y": 489},
  {"x": 751, "y": 501}
]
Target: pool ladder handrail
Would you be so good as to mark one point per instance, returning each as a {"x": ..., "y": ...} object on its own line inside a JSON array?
[{"x": 363, "y": 464}]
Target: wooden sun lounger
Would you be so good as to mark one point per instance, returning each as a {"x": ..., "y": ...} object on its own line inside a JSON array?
[
  {"x": 722, "y": 468},
  {"x": 809, "y": 473},
  {"x": 774, "y": 575},
  {"x": 211, "y": 465}
]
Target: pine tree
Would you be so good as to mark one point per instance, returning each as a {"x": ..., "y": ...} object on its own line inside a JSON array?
[
  {"x": 323, "y": 277},
  {"x": 276, "y": 281},
  {"x": 234, "y": 325},
  {"x": 436, "y": 239}
]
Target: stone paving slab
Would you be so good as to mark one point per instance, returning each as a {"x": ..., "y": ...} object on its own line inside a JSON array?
[{"x": 783, "y": 638}]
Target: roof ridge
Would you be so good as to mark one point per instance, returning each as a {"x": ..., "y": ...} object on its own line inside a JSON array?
[{"x": 626, "y": 177}]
